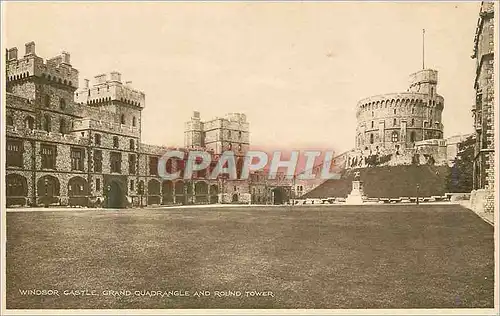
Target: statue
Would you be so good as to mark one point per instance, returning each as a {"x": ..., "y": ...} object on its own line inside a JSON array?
[{"x": 357, "y": 176}]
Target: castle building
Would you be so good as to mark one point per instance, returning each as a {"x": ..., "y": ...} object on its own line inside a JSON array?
[
  {"x": 482, "y": 197},
  {"x": 82, "y": 146},
  {"x": 396, "y": 121}
]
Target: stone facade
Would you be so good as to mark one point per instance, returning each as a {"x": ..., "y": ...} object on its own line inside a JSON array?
[
  {"x": 482, "y": 196},
  {"x": 72, "y": 145}
]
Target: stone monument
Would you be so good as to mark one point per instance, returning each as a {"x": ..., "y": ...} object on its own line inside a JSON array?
[{"x": 356, "y": 196}]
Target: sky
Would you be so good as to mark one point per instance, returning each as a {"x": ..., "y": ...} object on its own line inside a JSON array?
[{"x": 296, "y": 69}]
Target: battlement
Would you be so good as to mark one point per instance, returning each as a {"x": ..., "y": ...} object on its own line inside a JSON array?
[
  {"x": 423, "y": 76},
  {"x": 57, "y": 69},
  {"x": 107, "y": 88}
]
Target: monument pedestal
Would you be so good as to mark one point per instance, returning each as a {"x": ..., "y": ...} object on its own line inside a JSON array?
[{"x": 356, "y": 196}]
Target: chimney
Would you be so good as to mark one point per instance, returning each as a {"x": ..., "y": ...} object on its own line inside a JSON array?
[
  {"x": 30, "y": 48},
  {"x": 85, "y": 83},
  {"x": 128, "y": 83},
  {"x": 66, "y": 58},
  {"x": 12, "y": 54},
  {"x": 116, "y": 76}
]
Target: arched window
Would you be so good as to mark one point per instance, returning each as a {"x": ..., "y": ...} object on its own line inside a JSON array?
[
  {"x": 29, "y": 122},
  {"x": 371, "y": 139},
  {"x": 132, "y": 144},
  {"x": 123, "y": 119},
  {"x": 115, "y": 141},
  {"x": 372, "y": 124},
  {"x": 10, "y": 120},
  {"x": 97, "y": 139},
  {"x": 62, "y": 104},
  {"x": 134, "y": 121},
  {"x": 394, "y": 122},
  {"x": 47, "y": 100},
  {"x": 412, "y": 136},
  {"x": 62, "y": 126},
  {"x": 395, "y": 136},
  {"x": 432, "y": 92},
  {"x": 46, "y": 123}
]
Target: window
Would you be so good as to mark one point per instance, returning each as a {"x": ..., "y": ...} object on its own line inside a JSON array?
[
  {"x": 412, "y": 110},
  {"x": 394, "y": 136},
  {"x": 46, "y": 100},
  {"x": 29, "y": 122},
  {"x": 394, "y": 122},
  {"x": 77, "y": 156},
  {"x": 132, "y": 186},
  {"x": 46, "y": 123},
  {"x": 426, "y": 124},
  {"x": 432, "y": 92},
  {"x": 153, "y": 165},
  {"x": 115, "y": 160},
  {"x": 239, "y": 134},
  {"x": 98, "y": 184},
  {"x": 10, "y": 120},
  {"x": 123, "y": 119},
  {"x": 412, "y": 122},
  {"x": 373, "y": 114},
  {"x": 371, "y": 139},
  {"x": 62, "y": 104},
  {"x": 412, "y": 136},
  {"x": 134, "y": 121},
  {"x": 14, "y": 153},
  {"x": 132, "y": 144},
  {"x": 230, "y": 146},
  {"x": 62, "y": 126},
  {"x": 229, "y": 134},
  {"x": 394, "y": 111},
  {"x": 48, "y": 153},
  {"x": 132, "y": 161},
  {"x": 115, "y": 141},
  {"x": 373, "y": 124},
  {"x": 97, "y": 161},
  {"x": 97, "y": 139}
]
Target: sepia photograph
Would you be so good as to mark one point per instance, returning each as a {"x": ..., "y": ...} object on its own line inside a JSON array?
[{"x": 249, "y": 157}]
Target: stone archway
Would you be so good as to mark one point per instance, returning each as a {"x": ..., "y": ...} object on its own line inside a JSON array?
[
  {"x": 179, "y": 192},
  {"x": 78, "y": 191},
  {"x": 115, "y": 195},
  {"x": 167, "y": 192},
  {"x": 154, "y": 192},
  {"x": 201, "y": 192},
  {"x": 16, "y": 187},
  {"x": 214, "y": 194},
  {"x": 279, "y": 196},
  {"x": 235, "y": 198},
  {"x": 48, "y": 190}
]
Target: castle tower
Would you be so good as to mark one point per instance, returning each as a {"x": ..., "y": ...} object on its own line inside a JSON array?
[{"x": 193, "y": 132}]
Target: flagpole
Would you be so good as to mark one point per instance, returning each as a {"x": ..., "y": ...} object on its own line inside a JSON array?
[{"x": 423, "y": 48}]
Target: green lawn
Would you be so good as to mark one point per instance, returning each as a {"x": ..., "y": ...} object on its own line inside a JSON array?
[{"x": 431, "y": 256}]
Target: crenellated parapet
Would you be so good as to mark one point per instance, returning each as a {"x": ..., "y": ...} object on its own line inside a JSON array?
[
  {"x": 107, "y": 88},
  {"x": 56, "y": 70}
]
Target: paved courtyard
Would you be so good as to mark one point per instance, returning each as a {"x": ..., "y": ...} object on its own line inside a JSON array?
[{"x": 392, "y": 256}]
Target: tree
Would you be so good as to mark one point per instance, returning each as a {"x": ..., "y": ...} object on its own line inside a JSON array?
[{"x": 459, "y": 179}]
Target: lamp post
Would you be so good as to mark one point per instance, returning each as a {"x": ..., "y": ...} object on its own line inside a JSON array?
[{"x": 418, "y": 193}]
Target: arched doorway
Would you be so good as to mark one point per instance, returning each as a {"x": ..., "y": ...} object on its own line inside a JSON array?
[
  {"x": 115, "y": 195},
  {"x": 153, "y": 192},
  {"x": 78, "y": 192},
  {"x": 201, "y": 192},
  {"x": 48, "y": 190},
  {"x": 167, "y": 192},
  {"x": 16, "y": 190},
  {"x": 214, "y": 194},
  {"x": 235, "y": 198},
  {"x": 179, "y": 192},
  {"x": 279, "y": 196}
]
